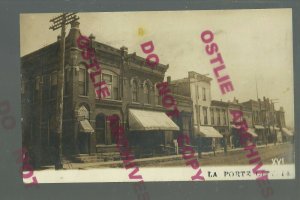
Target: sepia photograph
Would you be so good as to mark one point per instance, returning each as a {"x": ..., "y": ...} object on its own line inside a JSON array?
[{"x": 158, "y": 95}]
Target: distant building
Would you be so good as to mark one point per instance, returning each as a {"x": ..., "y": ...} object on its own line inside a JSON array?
[
  {"x": 197, "y": 87},
  {"x": 219, "y": 120},
  {"x": 235, "y": 134},
  {"x": 265, "y": 120},
  {"x": 287, "y": 135}
]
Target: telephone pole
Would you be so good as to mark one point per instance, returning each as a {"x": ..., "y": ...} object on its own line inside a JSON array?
[{"x": 60, "y": 22}]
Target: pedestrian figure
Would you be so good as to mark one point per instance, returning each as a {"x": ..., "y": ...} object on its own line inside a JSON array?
[
  {"x": 199, "y": 146},
  {"x": 214, "y": 145},
  {"x": 176, "y": 146}
]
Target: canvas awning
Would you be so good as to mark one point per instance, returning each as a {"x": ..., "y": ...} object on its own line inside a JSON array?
[
  {"x": 142, "y": 120},
  {"x": 287, "y": 132},
  {"x": 86, "y": 127},
  {"x": 259, "y": 127},
  {"x": 207, "y": 131},
  {"x": 252, "y": 132},
  {"x": 271, "y": 127},
  {"x": 234, "y": 126}
]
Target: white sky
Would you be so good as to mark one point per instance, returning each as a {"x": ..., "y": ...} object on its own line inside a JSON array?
[{"x": 253, "y": 43}]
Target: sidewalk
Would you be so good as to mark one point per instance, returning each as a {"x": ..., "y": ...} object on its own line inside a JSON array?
[{"x": 119, "y": 163}]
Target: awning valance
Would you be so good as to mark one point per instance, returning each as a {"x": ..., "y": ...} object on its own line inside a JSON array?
[
  {"x": 287, "y": 132},
  {"x": 259, "y": 127},
  {"x": 207, "y": 131},
  {"x": 252, "y": 132},
  {"x": 86, "y": 127},
  {"x": 142, "y": 120}
]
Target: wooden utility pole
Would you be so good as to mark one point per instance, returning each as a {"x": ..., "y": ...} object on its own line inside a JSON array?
[{"x": 60, "y": 22}]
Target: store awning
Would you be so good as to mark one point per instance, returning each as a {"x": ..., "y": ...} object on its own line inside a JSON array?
[
  {"x": 252, "y": 132},
  {"x": 271, "y": 127},
  {"x": 234, "y": 126},
  {"x": 259, "y": 127},
  {"x": 207, "y": 131},
  {"x": 142, "y": 120},
  {"x": 287, "y": 132},
  {"x": 86, "y": 127}
]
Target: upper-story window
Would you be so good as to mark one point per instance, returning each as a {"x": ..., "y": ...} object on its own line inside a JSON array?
[
  {"x": 224, "y": 117},
  {"x": 212, "y": 117},
  {"x": 83, "y": 82},
  {"x": 158, "y": 100},
  {"x": 66, "y": 84},
  {"x": 53, "y": 85},
  {"x": 197, "y": 92},
  {"x": 203, "y": 94},
  {"x": 134, "y": 91},
  {"x": 205, "y": 115},
  {"x": 218, "y": 117},
  {"x": 112, "y": 82},
  {"x": 36, "y": 89},
  {"x": 147, "y": 93}
]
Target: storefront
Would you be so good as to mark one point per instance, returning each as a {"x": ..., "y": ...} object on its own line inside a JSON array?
[
  {"x": 275, "y": 135},
  {"x": 207, "y": 137},
  {"x": 288, "y": 135},
  {"x": 150, "y": 132},
  {"x": 260, "y": 131}
]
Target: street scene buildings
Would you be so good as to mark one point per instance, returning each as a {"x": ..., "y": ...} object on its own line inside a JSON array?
[{"x": 86, "y": 136}]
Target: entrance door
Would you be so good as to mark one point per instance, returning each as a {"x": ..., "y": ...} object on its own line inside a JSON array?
[
  {"x": 83, "y": 142},
  {"x": 100, "y": 129}
]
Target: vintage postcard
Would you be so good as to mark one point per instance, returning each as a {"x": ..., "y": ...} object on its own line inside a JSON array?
[{"x": 157, "y": 96}]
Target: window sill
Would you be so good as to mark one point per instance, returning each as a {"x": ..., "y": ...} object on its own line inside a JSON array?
[
  {"x": 137, "y": 103},
  {"x": 83, "y": 96},
  {"x": 114, "y": 100}
]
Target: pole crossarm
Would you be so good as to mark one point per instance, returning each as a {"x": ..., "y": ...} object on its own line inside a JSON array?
[{"x": 63, "y": 19}]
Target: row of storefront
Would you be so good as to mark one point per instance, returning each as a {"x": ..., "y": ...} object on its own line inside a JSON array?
[{"x": 133, "y": 97}]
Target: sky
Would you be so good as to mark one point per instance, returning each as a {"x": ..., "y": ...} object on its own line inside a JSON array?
[{"x": 256, "y": 45}]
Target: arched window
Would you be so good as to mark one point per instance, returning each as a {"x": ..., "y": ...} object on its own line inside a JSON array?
[
  {"x": 84, "y": 112},
  {"x": 147, "y": 93},
  {"x": 158, "y": 99},
  {"x": 100, "y": 129},
  {"x": 134, "y": 90}
]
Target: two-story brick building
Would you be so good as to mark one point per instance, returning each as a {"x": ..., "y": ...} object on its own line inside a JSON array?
[{"x": 133, "y": 96}]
